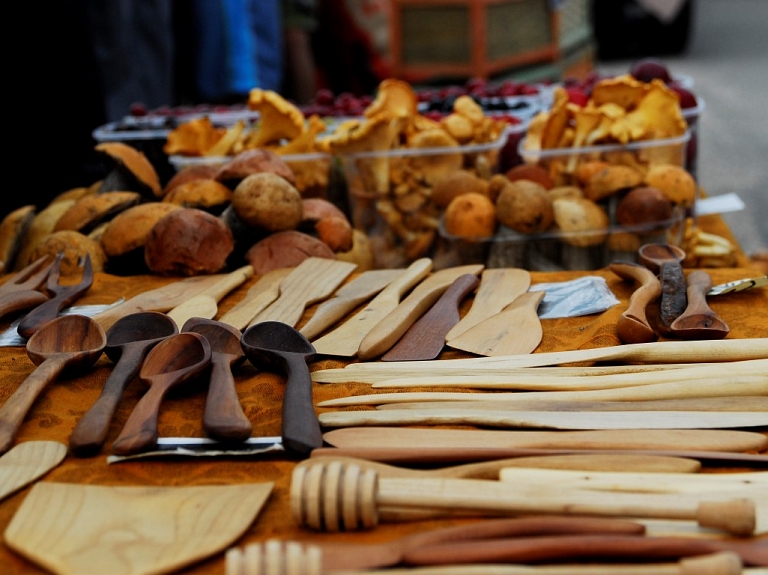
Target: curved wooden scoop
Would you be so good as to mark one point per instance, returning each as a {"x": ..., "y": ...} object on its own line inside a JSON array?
[
  {"x": 698, "y": 321},
  {"x": 633, "y": 326}
]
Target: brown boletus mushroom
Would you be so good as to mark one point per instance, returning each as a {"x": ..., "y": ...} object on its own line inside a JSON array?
[
  {"x": 285, "y": 249},
  {"x": 525, "y": 206},
  {"x": 254, "y": 161},
  {"x": 268, "y": 202},
  {"x": 74, "y": 246},
  {"x": 328, "y": 222},
  {"x": 13, "y": 229},
  {"x": 89, "y": 212},
  {"x": 187, "y": 242},
  {"x": 129, "y": 170},
  {"x": 208, "y": 195}
]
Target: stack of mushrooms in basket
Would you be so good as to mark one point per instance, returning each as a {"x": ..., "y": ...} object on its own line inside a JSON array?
[{"x": 433, "y": 418}]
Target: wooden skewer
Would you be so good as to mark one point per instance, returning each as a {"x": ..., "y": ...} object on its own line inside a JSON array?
[
  {"x": 656, "y": 352},
  {"x": 532, "y": 381},
  {"x": 333, "y": 497},
  {"x": 737, "y": 386}
]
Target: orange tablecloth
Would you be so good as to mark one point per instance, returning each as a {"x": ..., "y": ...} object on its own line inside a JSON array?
[{"x": 60, "y": 406}]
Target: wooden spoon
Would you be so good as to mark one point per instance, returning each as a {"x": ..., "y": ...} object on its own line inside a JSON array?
[
  {"x": 665, "y": 259},
  {"x": 498, "y": 288},
  {"x": 425, "y": 339},
  {"x": 273, "y": 344},
  {"x": 515, "y": 330},
  {"x": 68, "y": 342},
  {"x": 129, "y": 340},
  {"x": 633, "y": 326},
  {"x": 173, "y": 361},
  {"x": 698, "y": 321},
  {"x": 223, "y": 418}
]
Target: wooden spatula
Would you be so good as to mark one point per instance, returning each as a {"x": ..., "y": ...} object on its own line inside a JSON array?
[
  {"x": 161, "y": 299},
  {"x": 498, "y": 288},
  {"x": 392, "y": 327},
  {"x": 259, "y": 296},
  {"x": 205, "y": 303},
  {"x": 515, "y": 330},
  {"x": 425, "y": 339},
  {"x": 345, "y": 340},
  {"x": 72, "y": 529},
  {"x": 347, "y": 298},
  {"x": 26, "y": 462},
  {"x": 311, "y": 281}
]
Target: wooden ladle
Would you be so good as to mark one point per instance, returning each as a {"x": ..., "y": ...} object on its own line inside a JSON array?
[
  {"x": 223, "y": 418},
  {"x": 698, "y": 321},
  {"x": 273, "y": 344},
  {"x": 129, "y": 340},
  {"x": 633, "y": 326},
  {"x": 173, "y": 361},
  {"x": 68, "y": 342},
  {"x": 665, "y": 259}
]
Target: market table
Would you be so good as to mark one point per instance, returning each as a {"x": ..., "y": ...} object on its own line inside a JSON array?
[{"x": 61, "y": 405}]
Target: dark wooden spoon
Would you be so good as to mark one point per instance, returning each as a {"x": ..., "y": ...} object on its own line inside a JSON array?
[
  {"x": 173, "y": 361},
  {"x": 665, "y": 260},
  {"x": 698, "y": 321},
  {"x": 68, "y": 342},
  {"x": 129, "y": 340},
  {"x": 276, "y": 345},
  {"x": 223, "y": 418}
]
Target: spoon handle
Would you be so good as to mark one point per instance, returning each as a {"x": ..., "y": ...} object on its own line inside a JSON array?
[
  {"x": 140, "y": 431},
  {"x": 91, "y": 431},
  {"x": 14, "y": 410},
  {"x": 300, "y": 428},
  {"x": 673, "y": 296},
  {"x": 223, "y": 418}
]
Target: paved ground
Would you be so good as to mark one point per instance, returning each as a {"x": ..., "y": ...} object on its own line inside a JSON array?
[{"x": 728, "y": 61}]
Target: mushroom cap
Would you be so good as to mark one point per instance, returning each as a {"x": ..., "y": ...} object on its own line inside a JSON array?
[
  {"x": 279, "y": 119},
  {"x": 204, "y": 194},
  {"x": 582, "y": 221},
  {"x": 254, "y": 162},
  {"x": 129, "y": 229},
  {"x": 471, "y": 215},
  {"x": 675, "y": 182},
  {"x": 90, "y": 211},
  {"x": 74, "y": 246},
  {"x": 611, "y": 180},
  {"x": 13, "y": 228},
  {"x": 395, "y": 98},
  {"x": 525, "y": 206},
  {"x": 454, "y": 184},
  {"x": 268, "y": 202},
  {"x": 132, "y": 161},
  {"x": 195, "y": 172}
]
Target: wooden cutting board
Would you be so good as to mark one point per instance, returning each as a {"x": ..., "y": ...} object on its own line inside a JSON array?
[
  {"x": 74, "y": 529},
  {"x": 649, "y": 439},
  {"x": 311, "y": 281},
  {"x": 26, "y": 462},
  {"x": 498, "y": 288},
  {"x": 548, "y": 419}
]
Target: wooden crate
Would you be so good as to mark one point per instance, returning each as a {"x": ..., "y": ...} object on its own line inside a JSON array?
[{"x": 464, "y": 38}]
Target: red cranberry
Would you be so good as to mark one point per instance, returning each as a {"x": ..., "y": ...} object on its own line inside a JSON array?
[{"x": 649, "y": 69}]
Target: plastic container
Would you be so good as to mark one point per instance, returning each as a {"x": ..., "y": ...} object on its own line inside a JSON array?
[
  {"x": 555, "y": 250},
  {"x": 692, "y": 116},
  {"x": 389, "y": 195}
]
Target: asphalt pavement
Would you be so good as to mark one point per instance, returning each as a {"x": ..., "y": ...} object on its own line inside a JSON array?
[{"x": 727, "y": 59}]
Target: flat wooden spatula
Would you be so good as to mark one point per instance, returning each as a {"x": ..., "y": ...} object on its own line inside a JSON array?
[
  {"x": 28, "y": 461},
  {"x": 74, "y": 529}
]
